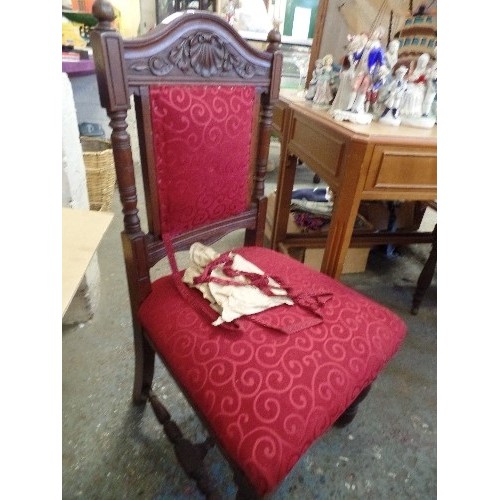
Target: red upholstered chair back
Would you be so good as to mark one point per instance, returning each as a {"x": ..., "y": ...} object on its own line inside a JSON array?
[
  {"x": 203, "y": 100},
  {"x": 202, "y": 146}
]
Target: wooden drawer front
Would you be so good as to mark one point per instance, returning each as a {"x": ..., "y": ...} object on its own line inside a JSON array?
[
  {"x": 404, "y": 168},
  {"x": 317, "y": 147}
]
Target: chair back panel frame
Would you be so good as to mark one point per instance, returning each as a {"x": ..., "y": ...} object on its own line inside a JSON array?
[
  {"x": 193, "y": 158},
  {"x": 192, "y": 48}
]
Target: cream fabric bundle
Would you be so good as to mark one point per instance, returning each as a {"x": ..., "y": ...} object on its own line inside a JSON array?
[{"x": 231, "y": 301}]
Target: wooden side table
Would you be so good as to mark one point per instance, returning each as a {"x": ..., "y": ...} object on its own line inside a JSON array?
[{"x": 358, "y": 162}]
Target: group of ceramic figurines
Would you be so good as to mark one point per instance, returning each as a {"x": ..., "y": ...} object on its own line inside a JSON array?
[{"x": 368, "y": 87}]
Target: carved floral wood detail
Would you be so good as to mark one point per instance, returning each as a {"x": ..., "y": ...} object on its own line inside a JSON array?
[{"x": 205, "y": 53}]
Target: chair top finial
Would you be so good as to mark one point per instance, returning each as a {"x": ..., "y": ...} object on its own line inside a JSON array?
[
  {"x": 274, "y": 40},
  {"x": 104, "y": 12}
]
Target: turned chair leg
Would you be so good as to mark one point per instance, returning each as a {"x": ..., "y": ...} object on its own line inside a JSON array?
[
  {"x": 425, "y": 278},
  {"x": 348, "y": 416},
  {"x": 189, "y": 455}
]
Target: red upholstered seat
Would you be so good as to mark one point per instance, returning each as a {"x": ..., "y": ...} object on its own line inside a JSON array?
[{"x": 265, "y": 394}]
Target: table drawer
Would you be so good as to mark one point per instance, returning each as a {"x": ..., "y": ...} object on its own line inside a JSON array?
[
  {"x": 402, "y": 168},
  {"x": 316, "y": 146}
]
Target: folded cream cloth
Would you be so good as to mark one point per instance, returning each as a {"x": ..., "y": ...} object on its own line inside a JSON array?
[{"x": 231, "y": 301}]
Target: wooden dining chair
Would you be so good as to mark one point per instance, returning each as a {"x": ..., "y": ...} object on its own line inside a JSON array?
[{"x": 267, "y": 385}]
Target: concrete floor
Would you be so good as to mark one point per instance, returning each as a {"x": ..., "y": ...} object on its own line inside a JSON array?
[{"x": 113, "y": 450}]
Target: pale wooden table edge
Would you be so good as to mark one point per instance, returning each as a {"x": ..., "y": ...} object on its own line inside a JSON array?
[{"x": 82, "y": 231}]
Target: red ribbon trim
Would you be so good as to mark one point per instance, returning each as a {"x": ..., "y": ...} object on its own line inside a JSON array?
[{"x": 225, "y": 262}]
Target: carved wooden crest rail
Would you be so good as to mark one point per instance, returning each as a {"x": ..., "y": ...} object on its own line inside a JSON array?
[{"x": 205, "y": 53}]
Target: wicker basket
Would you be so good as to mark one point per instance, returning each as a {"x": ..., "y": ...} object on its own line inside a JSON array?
[{"x": 100, "y": 170}]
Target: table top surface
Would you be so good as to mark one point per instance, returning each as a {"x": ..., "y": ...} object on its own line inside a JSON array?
[
  {"x": 297, "y": 102},
  {"x": 82, "y": 231}
]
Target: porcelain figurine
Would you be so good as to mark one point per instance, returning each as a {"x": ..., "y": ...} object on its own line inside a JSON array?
[
  {"x": 356, "y": 44},
  {"x": 311, "y": 89},
  {"x": 371, "y": 59},
  {"x": 411, "y": 108},
  {"x": 391, "y": 56},
  {"x": 230, "y": 11},
  {"x": 392, "y": 101},
  {"x": 324, "y": 93},
  {"x": 380, "y": 81},
  {"x": 431, "y": 88},
  {"x": 366, "y": 70}
]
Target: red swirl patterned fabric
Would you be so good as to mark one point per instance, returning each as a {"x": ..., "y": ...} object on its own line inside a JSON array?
[
  {"x": 265, "y": 394},
  {"x": 201, "y": 138}
]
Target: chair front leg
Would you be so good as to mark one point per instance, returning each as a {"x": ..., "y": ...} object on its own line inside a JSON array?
[{"x": 189, "y": 455}]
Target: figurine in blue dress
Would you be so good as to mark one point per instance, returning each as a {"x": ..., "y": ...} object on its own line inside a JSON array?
[{"x": 366, "y": 71}]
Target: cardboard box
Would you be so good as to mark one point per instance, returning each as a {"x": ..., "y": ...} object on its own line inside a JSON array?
[
  {"x": 355, "y": 261},
  {"x": 356, "y": 258}
]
